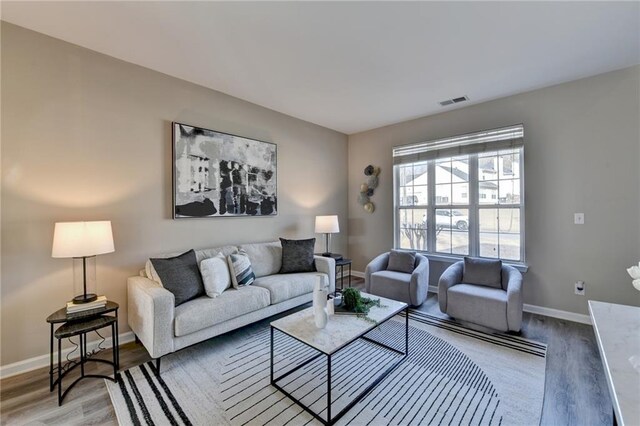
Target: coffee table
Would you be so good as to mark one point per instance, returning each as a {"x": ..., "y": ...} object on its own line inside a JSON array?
[{"x": 340, "y": 332}]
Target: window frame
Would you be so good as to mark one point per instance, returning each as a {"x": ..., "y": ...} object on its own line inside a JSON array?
[{"x": 473, "y": 206}]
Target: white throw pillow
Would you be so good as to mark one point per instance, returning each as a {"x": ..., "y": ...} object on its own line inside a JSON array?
[
  {"x": 151, "y": 272},
  {"x": 215, "y": 275}
]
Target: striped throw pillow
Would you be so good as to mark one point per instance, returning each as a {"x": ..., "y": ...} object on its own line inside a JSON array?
[{"x": 240, "y": 268}]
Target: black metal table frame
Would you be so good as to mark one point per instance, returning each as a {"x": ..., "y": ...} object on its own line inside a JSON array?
[
  {"x": 82, "y": 345},
  {"x": 362, "y": 394},
  {"x": 341, "y": 266}
]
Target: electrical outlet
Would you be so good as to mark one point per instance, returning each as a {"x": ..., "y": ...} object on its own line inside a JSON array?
[{"x": 580, "y": 288}]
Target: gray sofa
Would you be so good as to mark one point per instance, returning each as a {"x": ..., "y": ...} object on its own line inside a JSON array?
[
  {"x": 164, "y": 328},
  {"x": 409, "y": 288},
  {"x": 498, "y": 307}
]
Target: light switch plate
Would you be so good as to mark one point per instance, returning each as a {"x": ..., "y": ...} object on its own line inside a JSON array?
[{"x": 578, "y": 218}]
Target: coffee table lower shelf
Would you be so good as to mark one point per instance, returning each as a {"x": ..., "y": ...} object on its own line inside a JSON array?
[{"x": 332, "y": 420}]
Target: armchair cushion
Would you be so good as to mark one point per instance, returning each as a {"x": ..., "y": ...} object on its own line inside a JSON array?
[
  {"x": 478, "y": 304},
  {"x": 391, "y": 284},
  {"x": 402, "y": 261},
  {"x": 482, "y": 272}
]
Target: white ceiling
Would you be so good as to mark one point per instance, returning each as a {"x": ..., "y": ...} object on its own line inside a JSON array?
[{"x": 352, "y": 66}]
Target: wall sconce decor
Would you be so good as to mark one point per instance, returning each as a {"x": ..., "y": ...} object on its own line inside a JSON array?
[{"x": 367, "y": 188}]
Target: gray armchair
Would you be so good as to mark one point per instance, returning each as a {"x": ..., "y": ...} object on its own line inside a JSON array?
[
  {"x": 497, "y": 306},
  {"x": 409, "y": 288}
]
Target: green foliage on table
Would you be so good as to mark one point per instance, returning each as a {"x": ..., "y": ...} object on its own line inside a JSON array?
[{"x": 354, "y": 302}]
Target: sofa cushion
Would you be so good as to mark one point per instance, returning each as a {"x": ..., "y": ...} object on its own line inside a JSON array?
[
  {"x": 401, "y": 261},
  {"x": 391, "y": 284},
  {"x": 478, "y": 304},
  {"x": 205, "y": 312},
  {"x": 286, "y": 286},
  {"x": 266, "y": 258},
  {"x": 214, "y": 251},
  {"x": 180, "y": 275},
  {"x": 297, "y": 256},
  {"x": 215, "y": 275},
  {"x": 485, "y": 272}
]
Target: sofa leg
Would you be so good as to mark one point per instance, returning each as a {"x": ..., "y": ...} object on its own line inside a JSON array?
[
  {"x": 515, "y": 333},
  {"x": 157, "y": 366},
  {"x": 135, "y": 336}
]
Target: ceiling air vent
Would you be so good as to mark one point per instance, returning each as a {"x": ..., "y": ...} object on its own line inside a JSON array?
[{"x": 454, "y": 101}]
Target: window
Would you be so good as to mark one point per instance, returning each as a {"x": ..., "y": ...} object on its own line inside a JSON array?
[{"x": 462, "y": 196}]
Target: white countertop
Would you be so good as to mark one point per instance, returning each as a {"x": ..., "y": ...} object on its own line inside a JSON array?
[
  {"x": 617, "y": 329},
  {"x": 340, "y": 329}
]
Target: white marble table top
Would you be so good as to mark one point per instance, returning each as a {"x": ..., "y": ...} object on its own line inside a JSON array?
[
  {"x": 617, "y": 329},
  {"x": 340, "y": 330}
]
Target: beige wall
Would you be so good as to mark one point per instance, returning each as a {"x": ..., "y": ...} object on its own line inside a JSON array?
[
  {"x": 87, "y": 137},
  {"x": 582, "y": 146}
]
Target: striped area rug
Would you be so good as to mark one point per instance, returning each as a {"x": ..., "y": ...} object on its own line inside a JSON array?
[{"x": 453, "y": 375}]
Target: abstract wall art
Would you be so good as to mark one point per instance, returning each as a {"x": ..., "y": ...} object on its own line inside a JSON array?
[{"x": 216, "y": 174}]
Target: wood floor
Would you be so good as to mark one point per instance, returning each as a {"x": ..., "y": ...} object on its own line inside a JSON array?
[{"x": 575, "y": 391}]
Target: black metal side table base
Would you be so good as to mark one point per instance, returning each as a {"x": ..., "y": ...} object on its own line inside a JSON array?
[
  {"x": 332, "y": 420},
  {"x": 341, "y": 264},
  {"x": 79, "y": 325}
]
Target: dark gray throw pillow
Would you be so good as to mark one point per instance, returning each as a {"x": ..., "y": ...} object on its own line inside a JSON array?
[
  {"x": 482, "y": 271},
  {"x": 181, "y": 276},
  {"x": 297, "y": 256},
  {"x": 401, "y": 261}
]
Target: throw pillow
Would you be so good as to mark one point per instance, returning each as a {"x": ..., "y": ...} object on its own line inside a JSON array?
[
  {"x": 401, "y": 261},
  {"x": 485, "y": 272},
  {"x": 215, "y": 275},
  {"x": 180, "y": 275},
  {"x": 297, "y": 256},
  {"x": 151, "y": 273},
  {"x": 240, "y": 268}
]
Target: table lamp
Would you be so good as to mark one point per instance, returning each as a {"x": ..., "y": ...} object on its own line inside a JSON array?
[
  {"x": 328, "y": 225},
  {"x": 80, "y": 240}
]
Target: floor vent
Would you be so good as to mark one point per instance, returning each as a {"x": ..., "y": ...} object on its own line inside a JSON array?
[{"x": 454, "y": 101}]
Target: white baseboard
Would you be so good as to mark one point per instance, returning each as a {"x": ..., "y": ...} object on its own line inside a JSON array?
[
  {"x": 357, "y": 274},
  {"x": 43, "y": 360},
  {"x": 557, "y": 313},
  {"x": 540, "y": 310}
]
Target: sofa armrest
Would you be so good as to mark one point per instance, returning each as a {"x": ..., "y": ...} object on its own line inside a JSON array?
[
  {"x": 450, "y": 277},
  {"x": 150, "y": 314},
  {"x": 327, "y": 265},
  {"x": 378, "y": 264},
  {"x": 513, "y": 278},
  {"x": 419, "y": 284}
]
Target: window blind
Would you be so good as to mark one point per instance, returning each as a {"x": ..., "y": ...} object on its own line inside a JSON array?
[{"x": 471, "y": 143}]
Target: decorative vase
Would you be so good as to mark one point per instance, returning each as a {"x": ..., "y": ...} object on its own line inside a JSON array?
[
  {"x": 320, "y": 303},
  {"x": 321, "y": 317}
]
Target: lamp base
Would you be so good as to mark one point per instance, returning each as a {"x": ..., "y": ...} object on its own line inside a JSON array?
[
  {"x": 85, "y": 298},
  {"x": 336, "y": 256}
]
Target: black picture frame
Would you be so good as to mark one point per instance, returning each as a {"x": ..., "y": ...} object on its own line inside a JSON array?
[{"x": 218, "y": 174}]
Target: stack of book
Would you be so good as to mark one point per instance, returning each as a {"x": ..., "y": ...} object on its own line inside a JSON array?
[{"x": 73, "y": 308}]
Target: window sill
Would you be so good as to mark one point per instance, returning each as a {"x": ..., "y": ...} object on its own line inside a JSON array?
[{"x": 522, "y": 267}]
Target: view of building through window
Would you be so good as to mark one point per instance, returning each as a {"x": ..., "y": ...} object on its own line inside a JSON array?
[{"x": 463, "y": 205}]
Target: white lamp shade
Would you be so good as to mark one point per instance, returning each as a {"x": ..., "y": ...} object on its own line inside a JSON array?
[
  {"x": 80, "y": 239},
  {"x": 327, "y": 224}
]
